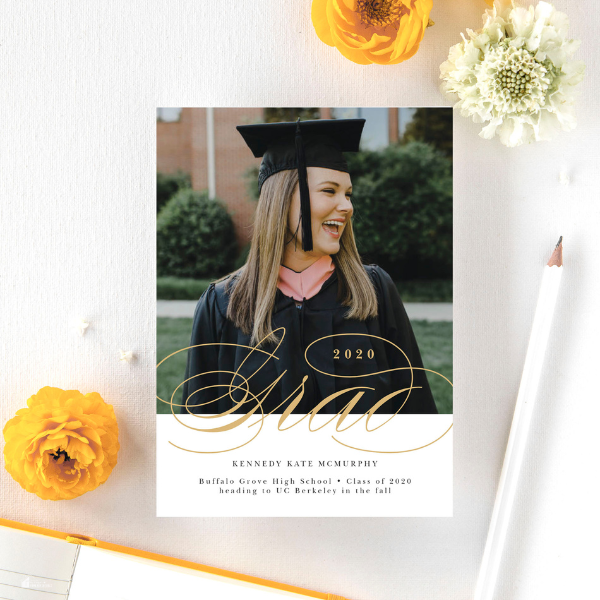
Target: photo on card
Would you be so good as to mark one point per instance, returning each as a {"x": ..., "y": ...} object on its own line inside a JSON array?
[{"x": 304, "y": 332}]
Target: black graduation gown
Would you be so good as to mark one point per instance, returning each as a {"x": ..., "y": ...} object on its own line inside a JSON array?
[{"x": 361, "y": 353}]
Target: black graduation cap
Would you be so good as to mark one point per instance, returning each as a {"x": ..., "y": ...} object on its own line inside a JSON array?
[{"x": 299, "y": 145}]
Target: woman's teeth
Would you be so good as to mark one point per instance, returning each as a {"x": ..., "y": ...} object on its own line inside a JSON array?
[{"x": 332, "y": 227}]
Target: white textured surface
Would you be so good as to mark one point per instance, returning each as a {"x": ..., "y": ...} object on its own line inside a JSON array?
[{"x": 79, "y": 85}]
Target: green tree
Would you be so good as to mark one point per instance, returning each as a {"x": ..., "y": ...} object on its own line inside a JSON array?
[
  {"x": 432, "y": 126},
  {"x": 402, "y": 199},
  {"x": 168, "y": 184},
  {"x": 195, "y": 237}
]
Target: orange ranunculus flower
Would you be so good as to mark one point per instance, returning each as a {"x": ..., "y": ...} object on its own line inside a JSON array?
[
  {"x": 385, "y": 32},
  {"x": 63, "y": 445}
]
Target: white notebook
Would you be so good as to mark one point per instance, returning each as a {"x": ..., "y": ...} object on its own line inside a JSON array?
[{"x": 34, "y": 566}]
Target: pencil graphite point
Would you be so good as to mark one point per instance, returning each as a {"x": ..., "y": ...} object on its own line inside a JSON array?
[{"x": 556, "y": 258}]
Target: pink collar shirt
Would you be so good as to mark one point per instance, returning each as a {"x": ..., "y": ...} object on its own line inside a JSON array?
[{"x": 304, "y": 285}]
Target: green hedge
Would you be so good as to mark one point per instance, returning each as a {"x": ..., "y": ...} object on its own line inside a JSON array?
[
  {"x": 168, "y": 184},
  {"x": 433, "y": 290},
  {"x": 173, "y": 288},
  {"x": 403, "y": 210},
  {"x": 195, "y": 237}
]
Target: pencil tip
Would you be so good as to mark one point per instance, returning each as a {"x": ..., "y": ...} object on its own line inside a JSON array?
[{"x": 556, "y": 259}]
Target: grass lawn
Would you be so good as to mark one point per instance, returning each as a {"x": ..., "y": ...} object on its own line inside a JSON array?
[
  {"x": 434, "y": 339},
  {"x": 435, "y": 343},
  {"x": 171, "y": 335}
]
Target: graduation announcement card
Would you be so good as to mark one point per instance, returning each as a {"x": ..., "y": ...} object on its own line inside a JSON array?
[{"x": 304, "y": 262}]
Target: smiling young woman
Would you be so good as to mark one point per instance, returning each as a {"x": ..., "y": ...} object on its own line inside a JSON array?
[
  {"x": 331, "y": 209},
  {"x": 304, "y": 320}
]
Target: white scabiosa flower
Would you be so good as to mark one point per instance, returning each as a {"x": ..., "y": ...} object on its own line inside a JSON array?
[{"x": 514, "y": 74}]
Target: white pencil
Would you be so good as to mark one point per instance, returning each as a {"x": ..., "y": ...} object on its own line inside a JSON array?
[{"x": 520, "y": 426}]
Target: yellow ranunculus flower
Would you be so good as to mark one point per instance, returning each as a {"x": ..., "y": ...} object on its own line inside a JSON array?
[
  {"x": 63, "y": 445},
  {"x": 385, "y": 32}
]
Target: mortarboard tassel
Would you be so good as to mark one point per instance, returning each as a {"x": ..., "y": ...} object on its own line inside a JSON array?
[{"x": 307, "y": 243}]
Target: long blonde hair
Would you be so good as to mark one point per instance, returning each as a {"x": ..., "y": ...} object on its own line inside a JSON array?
[{"x": 255, "y": 284}]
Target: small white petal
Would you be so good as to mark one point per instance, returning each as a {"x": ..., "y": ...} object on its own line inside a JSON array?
[
  {"x": 126, "y": 355},
  {"x": 80, "y": 325},
  {"x": 564, "y": 178}
]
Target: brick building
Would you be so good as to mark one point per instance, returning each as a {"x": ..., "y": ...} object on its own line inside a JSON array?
[{"x": 183, "y": 144}]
